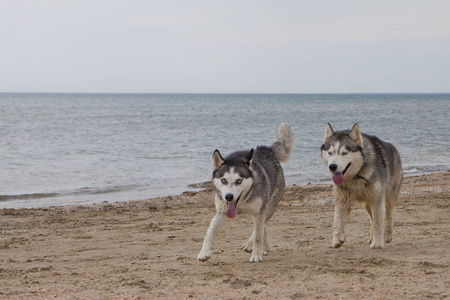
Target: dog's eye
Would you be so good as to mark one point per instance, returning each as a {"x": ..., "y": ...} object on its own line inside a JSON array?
[
  {"x": 330, "y": 153},
  {"x": 344, "y": 153},
  {"x": 223, "y": 180},
  {"x": 239, "y": 181}
]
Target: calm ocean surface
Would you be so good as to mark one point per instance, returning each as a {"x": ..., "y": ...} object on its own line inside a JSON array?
[{"x": 61, "y": 149}]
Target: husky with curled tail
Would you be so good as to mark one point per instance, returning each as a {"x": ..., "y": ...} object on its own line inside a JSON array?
[
  {"x": 367, "y": 170},
  {"x": 250, "y": 182}
]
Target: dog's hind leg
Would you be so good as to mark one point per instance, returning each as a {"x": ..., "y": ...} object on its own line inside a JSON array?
[
  {"x": 248, "y": 247},
  {"x": 214, "y": 227},
  {"x": 389, "y": 226},
  {"x": 369, "y": 211},
  {"x": 266, "y": 241}
]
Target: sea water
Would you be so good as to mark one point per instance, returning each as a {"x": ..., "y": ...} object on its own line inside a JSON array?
[{"x": 64, "y": 149}]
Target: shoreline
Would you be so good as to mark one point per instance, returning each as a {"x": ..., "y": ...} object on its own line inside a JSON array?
[
  {"x": 147, "y": 249},
  {"x": 199, "y": 187}
]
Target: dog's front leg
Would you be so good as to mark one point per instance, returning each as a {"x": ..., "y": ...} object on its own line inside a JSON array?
[
  {"x": 258, "y": 241},
  {"x": 341, "y": 215},
  {"x": 214, "y": 227}
]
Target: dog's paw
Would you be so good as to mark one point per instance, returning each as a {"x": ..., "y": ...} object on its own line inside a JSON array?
[
  {"x": 256, "y": 258},
  {"x": 377, "y": 245},
  {"x": 338, "y": 241},
  {"x": 337, "y": 245},
  {"x": 248, "y": 247},
  {"x": 388, "y": 237},
  {"x": 204, "y": 255}
]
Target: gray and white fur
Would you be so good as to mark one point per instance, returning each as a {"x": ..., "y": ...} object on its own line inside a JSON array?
[
  {"x": 367, "y": 170},
  {"x": 250, "y": 182}
]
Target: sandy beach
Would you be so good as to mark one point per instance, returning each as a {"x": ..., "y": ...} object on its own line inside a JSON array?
[{"x": 147, "y": 250}]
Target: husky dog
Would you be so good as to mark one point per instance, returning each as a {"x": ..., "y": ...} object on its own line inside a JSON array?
[
  {"x": 367, "y": 170},
  {"x": 249, "y": 182}
]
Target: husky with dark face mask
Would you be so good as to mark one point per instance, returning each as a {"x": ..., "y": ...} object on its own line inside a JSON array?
[
  {"x": 367, "y": 170},
  {"x": 250, "y": 182}
]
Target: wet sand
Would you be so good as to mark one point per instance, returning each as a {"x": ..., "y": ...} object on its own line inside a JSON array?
[{"x": 147, "y": 250}]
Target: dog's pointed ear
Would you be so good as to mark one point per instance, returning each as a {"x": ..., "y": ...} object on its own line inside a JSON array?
[
  {"x": 217, "y": 160},
  {"x": 249, "y": 158},
  {"x": 328, "y": 132},
  {"x": 355, "y": 135}
]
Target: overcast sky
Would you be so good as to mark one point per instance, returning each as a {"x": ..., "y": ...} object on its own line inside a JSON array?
[{"x": 208, "y": 46}]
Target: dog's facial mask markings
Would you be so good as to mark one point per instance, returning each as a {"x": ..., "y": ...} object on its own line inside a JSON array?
[
  {"x": 231, "y": 187},
  {"x": 341, "y": 152}
]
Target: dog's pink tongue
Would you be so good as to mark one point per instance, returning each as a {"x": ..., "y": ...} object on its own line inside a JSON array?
[
  {"x": 338, "y": 178},
  {"x": 231, "y": 211}
]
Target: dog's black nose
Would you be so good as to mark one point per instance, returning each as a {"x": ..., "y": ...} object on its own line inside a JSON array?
[
  {"x": 229, "y": 197},
  {"x": 333, "y": 167}
]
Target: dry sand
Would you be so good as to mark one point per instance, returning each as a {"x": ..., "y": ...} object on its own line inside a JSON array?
[{"x": 147, "y": 250}]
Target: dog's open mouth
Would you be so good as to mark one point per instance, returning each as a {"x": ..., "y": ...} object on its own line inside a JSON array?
[
  {"x": 338, "y": 177},
  {"x": 231, "y": 208}
]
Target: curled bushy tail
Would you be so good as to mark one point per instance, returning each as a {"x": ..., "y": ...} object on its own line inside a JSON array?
[{"x": 284, "y": 143}]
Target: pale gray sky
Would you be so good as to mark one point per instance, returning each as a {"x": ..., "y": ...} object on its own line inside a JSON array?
[{"x": 208, "y": 46}]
